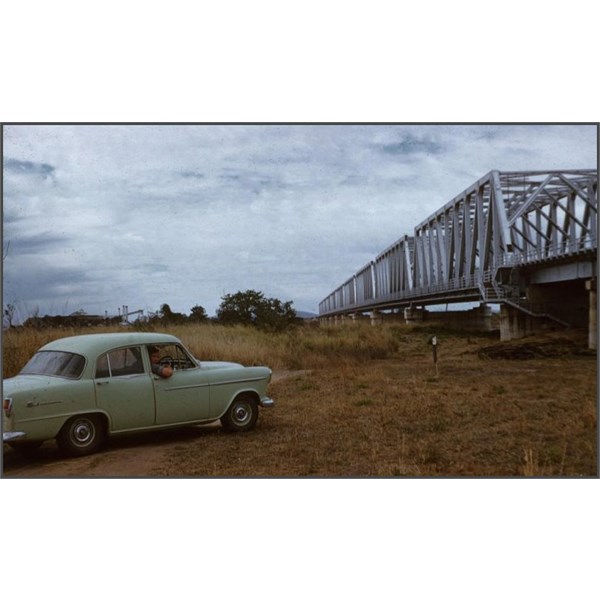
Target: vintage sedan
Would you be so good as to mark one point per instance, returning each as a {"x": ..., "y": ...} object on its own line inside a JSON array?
[{"x": 81, "y": 389}]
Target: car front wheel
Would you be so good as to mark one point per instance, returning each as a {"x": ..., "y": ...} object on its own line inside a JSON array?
[
  {"x": 81, "y": 435},
  {"x": 241, "y": 415}
]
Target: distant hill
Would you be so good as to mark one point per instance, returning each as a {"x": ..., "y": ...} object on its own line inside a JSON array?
[{"x": 302, "y": 314}]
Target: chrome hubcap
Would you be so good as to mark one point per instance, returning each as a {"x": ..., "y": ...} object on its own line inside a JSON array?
[
  {"x": 83, "y": 432},
  {"x": 242, "y": 413}
]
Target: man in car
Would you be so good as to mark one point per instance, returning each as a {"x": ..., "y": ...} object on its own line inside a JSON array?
[{"x": 161, "y": 370}]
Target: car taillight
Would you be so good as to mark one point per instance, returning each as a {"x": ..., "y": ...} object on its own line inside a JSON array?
[{"x": 7, "y": 405}]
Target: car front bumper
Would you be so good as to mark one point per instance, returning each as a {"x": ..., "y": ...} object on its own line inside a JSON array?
[{"x": 267, "y": 402}]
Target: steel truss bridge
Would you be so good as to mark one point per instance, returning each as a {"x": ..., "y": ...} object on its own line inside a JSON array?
[{"x": 469, "y": 248}]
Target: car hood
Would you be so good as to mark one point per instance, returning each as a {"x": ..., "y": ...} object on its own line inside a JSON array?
[{"x": 214, "y": 364}]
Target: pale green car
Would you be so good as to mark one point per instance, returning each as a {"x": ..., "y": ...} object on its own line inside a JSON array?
[{"x": 82, "y": 389}]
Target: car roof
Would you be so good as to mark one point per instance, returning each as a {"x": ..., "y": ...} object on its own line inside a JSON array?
[{"x": 98, "y": 343}]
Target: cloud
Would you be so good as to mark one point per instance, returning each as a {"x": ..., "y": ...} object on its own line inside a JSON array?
[
  {"x": 38, "y": 244},
  {"x": 41, "y": 281},
  {"x": 143, "y": 215},
  {"x": 192, "y": 175},
  {"x": 411, "y": 145},
  {"x": 27, "y": 167}
]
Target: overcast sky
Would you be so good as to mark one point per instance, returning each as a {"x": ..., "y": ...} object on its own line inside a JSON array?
[{"x": 100, "y": 216}]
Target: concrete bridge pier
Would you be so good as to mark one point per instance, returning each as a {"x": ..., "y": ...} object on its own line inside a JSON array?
[
  {"x": 515, "y": 324},
  {"x": 376, "y": 318},
  {"x": 414, "y": 315}
]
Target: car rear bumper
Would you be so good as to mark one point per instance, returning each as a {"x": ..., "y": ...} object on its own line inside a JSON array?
[
  {"x": 11, "y": 436},
  {"x": 267, "y": 402}
]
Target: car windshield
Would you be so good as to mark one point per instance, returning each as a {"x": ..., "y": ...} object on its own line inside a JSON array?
[{"x": 57, "y": 364}]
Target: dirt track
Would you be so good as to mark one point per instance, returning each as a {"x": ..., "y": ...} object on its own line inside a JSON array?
[{"x": 138, "y": 455}]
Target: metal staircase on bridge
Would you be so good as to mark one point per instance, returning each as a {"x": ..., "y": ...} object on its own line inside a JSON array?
[{"x": 493, "y": 293}]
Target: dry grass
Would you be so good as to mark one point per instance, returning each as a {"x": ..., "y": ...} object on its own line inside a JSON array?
[
  {"x": 299, "y": 348},
  {"x": 369, "y": 404}
]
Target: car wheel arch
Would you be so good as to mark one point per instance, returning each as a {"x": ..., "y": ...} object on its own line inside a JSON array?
[
  {"x": 94, "y": 426},
  {"x": 246, "y": 419},
  {"x": 250, "y": 393},
  {"x": 101, "y": 414}
]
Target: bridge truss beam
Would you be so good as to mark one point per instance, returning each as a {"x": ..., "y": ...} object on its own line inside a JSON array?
[{"x": 505, "y": 219}]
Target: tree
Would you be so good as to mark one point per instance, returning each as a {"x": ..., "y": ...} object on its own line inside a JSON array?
[
  {"x": 168, "y": 316},
  {"x": 252, "y": 308},
  {"x": 165, "y": 312},
  {"x": 198, "y": 314}
]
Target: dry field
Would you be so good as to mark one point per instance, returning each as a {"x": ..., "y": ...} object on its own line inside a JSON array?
[{"x": 362, "y": 401}]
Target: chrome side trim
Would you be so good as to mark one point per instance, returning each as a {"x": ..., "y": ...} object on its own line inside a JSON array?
[
  {"x": 31, "y": 404},
  {"x": 186, "y": 387},
  {"x": 239, "y": 381}
]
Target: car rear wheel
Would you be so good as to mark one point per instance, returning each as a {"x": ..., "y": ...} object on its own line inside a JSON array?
[
  {"x": 81, "y": 435},
  {"x": 241, "y": 415}
]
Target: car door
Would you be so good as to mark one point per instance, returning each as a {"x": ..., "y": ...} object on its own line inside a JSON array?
[
  {"x": 124, "y": 389},
  {"x": 185, "y": 396}
]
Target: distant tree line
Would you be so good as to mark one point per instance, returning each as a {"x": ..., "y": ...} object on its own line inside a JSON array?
[
  {"x": 242, "y": 308},
  {"x": 77, "y": 319},
  {"x": 250, "y": 308}
]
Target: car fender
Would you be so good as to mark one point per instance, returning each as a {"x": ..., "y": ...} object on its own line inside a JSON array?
[{"x": 42, "y": 405}]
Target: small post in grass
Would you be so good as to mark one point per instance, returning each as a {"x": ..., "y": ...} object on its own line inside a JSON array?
[{"x": 433, "y": 342}]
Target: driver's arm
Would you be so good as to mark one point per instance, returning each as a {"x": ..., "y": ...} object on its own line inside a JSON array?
[{"x": 162, "y": 370}]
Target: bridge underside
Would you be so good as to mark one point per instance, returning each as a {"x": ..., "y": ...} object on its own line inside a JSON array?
[{"x": 524, "y": 240}]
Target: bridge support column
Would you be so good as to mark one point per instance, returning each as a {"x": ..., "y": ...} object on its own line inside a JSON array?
[
  {"x": 376, "y": 318},
  {"x": 514, "y": 324},
  {"x": 414, "y": 315},
  {"x": 590, "y": 286}
]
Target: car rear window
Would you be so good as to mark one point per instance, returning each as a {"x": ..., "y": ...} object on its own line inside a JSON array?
[{"x": 55, "y": 364}]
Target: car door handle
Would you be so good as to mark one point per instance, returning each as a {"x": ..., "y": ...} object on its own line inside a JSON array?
[{"x": 102, "y": 382}]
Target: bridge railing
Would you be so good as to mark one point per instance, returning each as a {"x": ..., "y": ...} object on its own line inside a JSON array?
[{"x": 565, "y": 248}]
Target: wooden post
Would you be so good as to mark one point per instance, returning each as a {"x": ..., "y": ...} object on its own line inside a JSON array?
[{"x": 433, "y": 342}]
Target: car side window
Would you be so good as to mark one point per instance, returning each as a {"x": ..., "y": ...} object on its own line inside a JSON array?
[
  {"x": 175, "y": 356},
  {"x": 102, "y": 369},
  {"x": 124, "y": 361}
]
